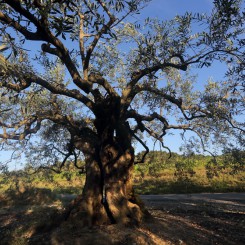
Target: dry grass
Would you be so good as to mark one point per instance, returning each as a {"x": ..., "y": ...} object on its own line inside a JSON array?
[
  {"x": 167, "y": 182},
  {"x": 163, "y": 183}
]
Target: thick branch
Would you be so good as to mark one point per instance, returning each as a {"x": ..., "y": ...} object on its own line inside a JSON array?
[
  {"x": 45, "y": 34},
  {"x": 63, "y": 54},
  {"x": 16, "y": 5},
  {"x": 28, "y": 130},
  {"x": 97, "y": 78},
  {"x": 81, "y": 42},
  {"x": 111, "y": 16},
  {"x": 131, "y": 89},
  {"x": 25, "y": 126},
  {"x": 27, "y": 78},
  {"x": 97, "y": 37},
  {"x": 141, "y": 73},
  {"x": 129, "y": 94},
  {"x": 149, "y": 118},
  {"x": 198, "y": 112},
  {"x": 27, "y": 34}
]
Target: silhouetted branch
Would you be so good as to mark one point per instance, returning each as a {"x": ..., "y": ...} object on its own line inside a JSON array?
[{"x": 144, "y": 145}]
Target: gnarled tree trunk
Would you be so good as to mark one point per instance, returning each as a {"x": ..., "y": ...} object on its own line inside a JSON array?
[{"x": 108, "y": 195}]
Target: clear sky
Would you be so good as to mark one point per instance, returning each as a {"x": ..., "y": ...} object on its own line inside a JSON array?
[{"x": 167, "y": 9}]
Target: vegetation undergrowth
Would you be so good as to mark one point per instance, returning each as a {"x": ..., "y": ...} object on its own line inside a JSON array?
[{"x": 158, "y": 175}]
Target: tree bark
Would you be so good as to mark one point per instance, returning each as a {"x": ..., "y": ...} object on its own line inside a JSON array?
[
  {"x": 108, "y": 196},
  {"x": 118, "y": 195}
]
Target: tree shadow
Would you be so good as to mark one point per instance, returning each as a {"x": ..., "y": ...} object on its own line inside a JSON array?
[
  {"x": 19, "y": 223},
  {"x": 185, "y": 221},
  {"x": 200, "y": 222}
]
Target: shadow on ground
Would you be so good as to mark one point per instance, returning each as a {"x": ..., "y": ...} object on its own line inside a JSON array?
[
  {"x": 26, "y": 219},
  {"x": 189, "y": 221}
]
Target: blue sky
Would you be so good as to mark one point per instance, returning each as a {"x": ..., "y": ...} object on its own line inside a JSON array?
[{"x": 167, "y": 9}]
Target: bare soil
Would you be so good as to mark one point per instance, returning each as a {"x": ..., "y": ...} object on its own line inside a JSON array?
[{"x": 183, "y": 221}]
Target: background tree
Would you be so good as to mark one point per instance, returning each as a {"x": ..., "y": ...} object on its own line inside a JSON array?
[{"x": 84, "y": 80}]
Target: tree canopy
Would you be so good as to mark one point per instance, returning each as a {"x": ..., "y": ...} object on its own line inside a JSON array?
[{"x": 87, "y": 54}]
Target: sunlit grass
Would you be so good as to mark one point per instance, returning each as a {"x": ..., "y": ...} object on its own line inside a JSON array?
[
  {"x": 166, "y": 182},
  {"x": 160, "y": 182}
]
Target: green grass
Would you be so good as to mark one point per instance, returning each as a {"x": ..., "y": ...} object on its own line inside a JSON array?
[{"x": 159, "y": 181}]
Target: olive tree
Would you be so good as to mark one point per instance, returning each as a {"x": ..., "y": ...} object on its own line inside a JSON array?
[{"x": 79, "y": 77}]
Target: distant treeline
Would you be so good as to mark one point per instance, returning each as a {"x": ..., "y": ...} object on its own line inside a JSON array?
[{"x": 171, "y": 158}]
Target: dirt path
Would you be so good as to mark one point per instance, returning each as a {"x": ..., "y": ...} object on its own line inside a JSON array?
[
  {"x": 202, "y": 219},
  {"x": 210, "y": 197}
]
